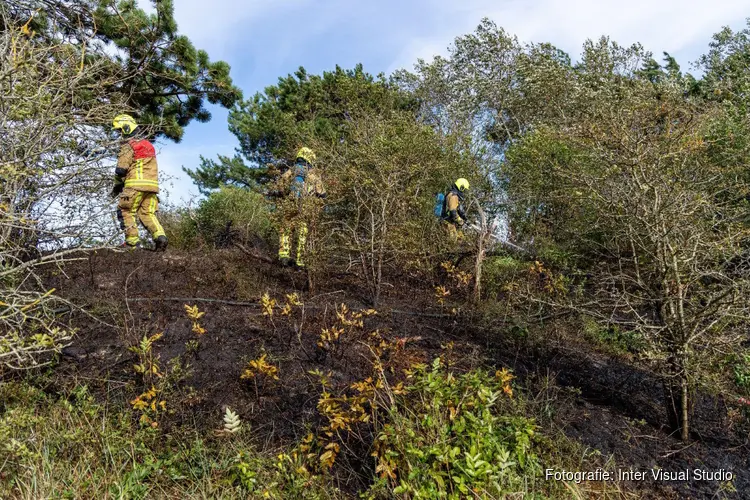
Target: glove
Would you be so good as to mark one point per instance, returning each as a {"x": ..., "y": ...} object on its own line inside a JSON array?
[
  {"x": 455, "y": 217},
  {"x": 117, "y": 190}
]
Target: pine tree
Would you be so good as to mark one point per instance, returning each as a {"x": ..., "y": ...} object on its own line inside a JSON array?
[
  {"x": 727, "y": 68},
  {"x": 299, "y": 109},
  {"x": 165, "y": 79}
]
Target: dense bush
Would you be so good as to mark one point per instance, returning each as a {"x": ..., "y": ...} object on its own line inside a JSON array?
[
  {"x": 231, "y": 214},
  {"x": 498, "y": 272},
  {"x": 381, "y": 194},
  {"x": 180, "y": 227},
  {"x": 453, "y": 436}
]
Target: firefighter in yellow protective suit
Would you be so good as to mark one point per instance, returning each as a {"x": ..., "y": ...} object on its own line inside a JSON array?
[
  {"x": 301, "y": 188},
  {"x": 137, "y": 185}
]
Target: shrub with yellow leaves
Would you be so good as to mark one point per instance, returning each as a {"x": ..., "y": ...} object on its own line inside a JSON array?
[
  {"x": 342, "y": 414},
  {"x": 195, "y": 315},
  {"x": 349, "y": 409},
  {"x": 462, "y": 278},
  {"x": 328, "y": 457},
  {"x": 149, "y": 403},
  {"x": 259, "y": 368},
  {"x": 347, "y": 323},
  {"x": 293, "y": 299},
  {"x": 329, "y": 336},
  {"x": 150, "y": 406},
  {"x": 268, "y": 304},
  {"x": 292, "y": 473},
  {"x": 505, "y": 377},
  {"x": 441, "y": 293}
]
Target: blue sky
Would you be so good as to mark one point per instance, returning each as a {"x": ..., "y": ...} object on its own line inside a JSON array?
[{"x": 264, "y": 39}]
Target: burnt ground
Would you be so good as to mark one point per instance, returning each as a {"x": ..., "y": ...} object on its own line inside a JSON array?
[{"x": 605, "y": 403}]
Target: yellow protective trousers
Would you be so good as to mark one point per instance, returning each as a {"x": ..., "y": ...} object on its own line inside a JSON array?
[
  {"x": 453, "y": 233},
  {"x": 142, "y": 205},
  {"x": 285, "y": 242}
]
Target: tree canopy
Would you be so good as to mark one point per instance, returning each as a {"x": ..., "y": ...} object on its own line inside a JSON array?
[
  {"x": 162, "y": 77},
  {"x": 299, "y": 109}
]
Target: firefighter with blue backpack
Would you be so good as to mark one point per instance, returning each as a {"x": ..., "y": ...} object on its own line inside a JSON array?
[
  {"x": 301, "y": 189},
  {"x": 450, "y": 209}
]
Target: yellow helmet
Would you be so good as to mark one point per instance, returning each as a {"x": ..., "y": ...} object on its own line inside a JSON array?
[
  {"x": 462, "y": 184},
  {"x": 306, "y": 154},
  {"x": 126, "y": 123}
]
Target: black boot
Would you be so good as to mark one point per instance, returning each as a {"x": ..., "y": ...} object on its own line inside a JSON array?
[
  {"x": 161, "y": 244},
  {"x": 133, "y": 247}
]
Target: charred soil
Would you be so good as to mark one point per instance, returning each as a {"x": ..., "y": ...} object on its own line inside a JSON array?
[{"x": 605, "y": 403}]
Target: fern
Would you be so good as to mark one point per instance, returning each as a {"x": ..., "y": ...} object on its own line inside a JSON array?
[{"x": 232, "y": 422}]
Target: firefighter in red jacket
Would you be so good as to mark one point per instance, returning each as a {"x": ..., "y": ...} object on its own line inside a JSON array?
[{"x": 137, "y": 184}]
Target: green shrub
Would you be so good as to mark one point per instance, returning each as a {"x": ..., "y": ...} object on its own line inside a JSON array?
[
  {"x": 498, "y": 272},
  {"x": 460, "y": 436},
  {"x": 180, "y": 226},
  {"x": 612, "y": 338},
  {"x": 229, "y": 215},
  {"x": 247, "y": 211},
  {"x": 741, "y": 369}
]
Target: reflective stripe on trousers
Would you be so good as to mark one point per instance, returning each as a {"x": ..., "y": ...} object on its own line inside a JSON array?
[{"x": 285, "y": 243}]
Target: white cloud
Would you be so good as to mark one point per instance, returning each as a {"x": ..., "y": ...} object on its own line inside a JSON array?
[
  {"x": 218, "y": 25},
  {"x": 660, "y": 25},
  {"x": 263, "y": 39}
]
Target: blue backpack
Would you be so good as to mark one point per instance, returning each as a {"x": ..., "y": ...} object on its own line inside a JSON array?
[
  {"x": 298, "y": 183},
  {"x": 439, "y": 205}
]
